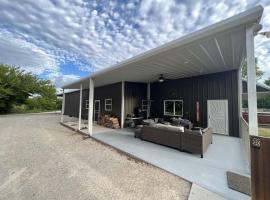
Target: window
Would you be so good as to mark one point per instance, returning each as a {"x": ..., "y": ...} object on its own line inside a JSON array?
[
  {"x": 108, "y": 104},
  {"x": 86, "y": 104},
  {"x": 173, "y": 107},
  {"x": 144, "y": 105}
]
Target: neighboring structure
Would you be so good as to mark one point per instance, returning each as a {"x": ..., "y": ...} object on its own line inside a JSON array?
[
  {"x": 262, "y": 90},
  {"x": 202, "y": 80}
]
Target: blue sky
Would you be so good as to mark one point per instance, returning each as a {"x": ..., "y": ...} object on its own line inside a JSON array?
[{"x": 64, "y": 40}]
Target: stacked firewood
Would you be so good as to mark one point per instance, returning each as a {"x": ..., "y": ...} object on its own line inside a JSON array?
[{"x": 109, "y": 122}]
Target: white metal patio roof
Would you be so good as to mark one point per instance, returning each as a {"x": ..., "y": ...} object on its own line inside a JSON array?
[{"x": 216, "y": 48}]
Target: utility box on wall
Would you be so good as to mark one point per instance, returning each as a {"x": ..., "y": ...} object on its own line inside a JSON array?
[{"x": 260, "y": 167}]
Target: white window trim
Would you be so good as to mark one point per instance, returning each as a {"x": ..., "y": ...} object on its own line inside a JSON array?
[
  {"x": 173, "y": 107},
  {"x": 87, "y": 104},
  {"x": 143, "y": 105},
  {"x": 108, "y": 104}
]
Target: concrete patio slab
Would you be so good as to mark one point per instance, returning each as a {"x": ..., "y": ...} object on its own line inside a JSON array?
[
  {"x": 198, "y": 192},
  {"x": 225, "y": 154}
]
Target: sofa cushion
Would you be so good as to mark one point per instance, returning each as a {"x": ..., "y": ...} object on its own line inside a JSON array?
[
  {"x": 176, "y": 128},
  {"x": 149, "y": 121},
  {"x": 184, "y": 122},
  {"x": 168, "y": 127},
  {"x": 198, "y": 132},
  {"x": 194, "y": 131},
  {"x": 176, "y": 121},
  {"x": 158, "y": 125}
]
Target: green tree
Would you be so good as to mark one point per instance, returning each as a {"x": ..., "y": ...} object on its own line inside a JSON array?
[
  {"x": 259, "y": 72},
  {"x": 16, "y": 86},
  {"x": 267, "y": 82}
]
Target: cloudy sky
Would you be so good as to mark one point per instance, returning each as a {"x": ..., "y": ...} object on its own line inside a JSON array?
[{"x": 63, "y": 40}]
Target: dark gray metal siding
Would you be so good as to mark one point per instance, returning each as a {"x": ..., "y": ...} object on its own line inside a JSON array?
[
  {"x": 134, "y": 94},
  {"x": 112, "y": 91},
  {"x": 72, "y": 104},
  {"x": 201, "y": 88}
]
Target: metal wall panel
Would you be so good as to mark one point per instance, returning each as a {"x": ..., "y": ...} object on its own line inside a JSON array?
[
  {"x": 134, "y": 94},
  {"x": 112, "y": 91},
  {"x": 72, "y": 104},
  {"x": 222, "y": 85}
]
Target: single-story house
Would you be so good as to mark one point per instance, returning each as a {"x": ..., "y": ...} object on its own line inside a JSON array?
[{"x": 196, "y": 77}]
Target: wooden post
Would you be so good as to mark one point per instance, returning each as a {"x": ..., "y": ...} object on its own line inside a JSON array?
[
  {"x": 123, "y": 105},
  {"x": 260, "y": 165},
  {"x": 91, "y": 106},
  {"x": 80, "y": 109},
  {"x": 63, "y": 106},
  {"x": 251, "y": 82}
]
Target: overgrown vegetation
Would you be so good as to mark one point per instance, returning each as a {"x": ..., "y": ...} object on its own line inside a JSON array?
[
  {"x": 24, "y": 92},
  {"x": 259, "y": 72},
  {"x": 263, "y": 102}
]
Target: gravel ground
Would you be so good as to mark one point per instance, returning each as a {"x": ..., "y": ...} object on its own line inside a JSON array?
[{"x": 40, "y": 159}]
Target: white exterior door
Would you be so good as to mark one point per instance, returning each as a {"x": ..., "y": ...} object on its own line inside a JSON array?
[{"x": 217, "y": 111}]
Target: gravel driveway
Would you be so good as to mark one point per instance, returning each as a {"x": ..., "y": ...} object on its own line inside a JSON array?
[{"x": 40, "y": 159}]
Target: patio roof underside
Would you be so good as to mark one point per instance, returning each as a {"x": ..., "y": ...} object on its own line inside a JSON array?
[{"x": 219, "y": 47}]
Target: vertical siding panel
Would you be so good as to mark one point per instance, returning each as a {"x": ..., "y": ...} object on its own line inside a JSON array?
[
  {"x": 134, "y": 94},
  {"x": 222, "y": 85}
]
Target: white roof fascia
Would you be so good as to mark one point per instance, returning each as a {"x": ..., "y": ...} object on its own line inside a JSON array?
[{"x": 246, "y": 17}]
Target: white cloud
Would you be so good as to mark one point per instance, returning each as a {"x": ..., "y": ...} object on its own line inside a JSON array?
[
  {"x": 60, "y": 79},
  {"x": 102, "y": 33},
  {"x": 27, "y": 55}
]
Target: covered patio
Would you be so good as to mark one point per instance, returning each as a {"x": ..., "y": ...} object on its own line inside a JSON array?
[
  {"x": 222, "y": 47},
  {"x": 209, "y": 172}
]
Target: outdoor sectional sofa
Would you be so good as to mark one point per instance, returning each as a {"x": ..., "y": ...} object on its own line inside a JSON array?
[{"x": 192, "y": 141}]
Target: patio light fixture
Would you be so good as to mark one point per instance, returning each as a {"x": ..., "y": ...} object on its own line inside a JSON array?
[{"x": 161, "y": 78}]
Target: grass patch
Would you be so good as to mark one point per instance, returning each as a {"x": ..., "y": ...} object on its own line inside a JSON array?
[{"x": 265, "y": 132}]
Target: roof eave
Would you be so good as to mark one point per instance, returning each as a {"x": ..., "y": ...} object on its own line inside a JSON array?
[{"x": 250, "y": 16}]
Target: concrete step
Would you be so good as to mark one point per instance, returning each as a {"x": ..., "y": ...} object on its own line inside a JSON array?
[{"x": 239, "y": 182}]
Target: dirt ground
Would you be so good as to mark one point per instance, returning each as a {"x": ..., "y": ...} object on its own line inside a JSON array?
[{"x": 40, "y": 159}]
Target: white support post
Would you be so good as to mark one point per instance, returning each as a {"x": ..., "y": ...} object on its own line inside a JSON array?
[
  {"x": 148, "y": 99},
  {"x": 251, "y": 82},
  {"x": 91, "y": 107},
  {"x": 80, "y": 109},
  {"x": 240, "y": 93},
  {"x": 63, "y": 106},
  {"x": 123, "y": 104}
]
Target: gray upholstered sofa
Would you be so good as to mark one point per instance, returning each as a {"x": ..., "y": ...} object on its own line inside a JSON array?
[{"x": 193, "y": 141}]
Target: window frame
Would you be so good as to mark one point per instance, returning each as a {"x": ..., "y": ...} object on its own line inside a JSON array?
[
  {"x": 86, "y": 104},
  {"x": 145, "y": 105},
  {"x": 108, "y": 104},
  {"x": 164, "y": 107}
]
